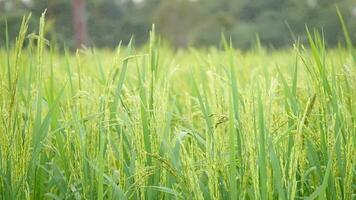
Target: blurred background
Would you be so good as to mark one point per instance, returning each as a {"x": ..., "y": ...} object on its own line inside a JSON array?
[{"x": 181, "y": 23}]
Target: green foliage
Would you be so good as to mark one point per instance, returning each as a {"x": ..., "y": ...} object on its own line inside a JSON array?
[
  {"x": 154, "y": 123},
  {"x": 187, "y": 22}
]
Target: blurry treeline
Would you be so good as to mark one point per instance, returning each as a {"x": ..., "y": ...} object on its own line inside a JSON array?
[{"x": 186, "y": 22}]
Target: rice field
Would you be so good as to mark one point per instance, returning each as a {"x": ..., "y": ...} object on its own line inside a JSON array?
[{"x": 159, "y": 123}]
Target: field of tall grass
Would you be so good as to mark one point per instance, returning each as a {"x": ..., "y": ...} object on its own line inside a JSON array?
[{"x": 158, "y": 123}]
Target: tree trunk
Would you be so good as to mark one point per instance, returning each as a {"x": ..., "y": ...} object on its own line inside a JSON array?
[{"x": 79, "y": 22}]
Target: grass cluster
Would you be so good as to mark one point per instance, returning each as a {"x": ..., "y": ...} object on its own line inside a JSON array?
[{"x": 154, "y": 123}]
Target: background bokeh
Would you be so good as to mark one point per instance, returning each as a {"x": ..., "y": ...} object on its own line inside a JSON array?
[{"x": 183, "y": 23}]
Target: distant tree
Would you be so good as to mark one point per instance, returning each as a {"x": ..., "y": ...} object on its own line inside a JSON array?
[
  {"x": 79, "y": 22},
  {"x": 176, "y": 20},
  {"x": 181, "y": 22}
]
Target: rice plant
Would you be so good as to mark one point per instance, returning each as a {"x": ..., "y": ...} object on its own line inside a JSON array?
[{"x": 158, "y": 123}]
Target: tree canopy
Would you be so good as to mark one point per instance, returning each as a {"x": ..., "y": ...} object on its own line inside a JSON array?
[{"x": 187, "y": 22}]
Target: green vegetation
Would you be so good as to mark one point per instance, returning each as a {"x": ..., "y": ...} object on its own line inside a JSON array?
[
  {"x": 154, "y": 123},
  {"x": 184, "y": 23}
]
